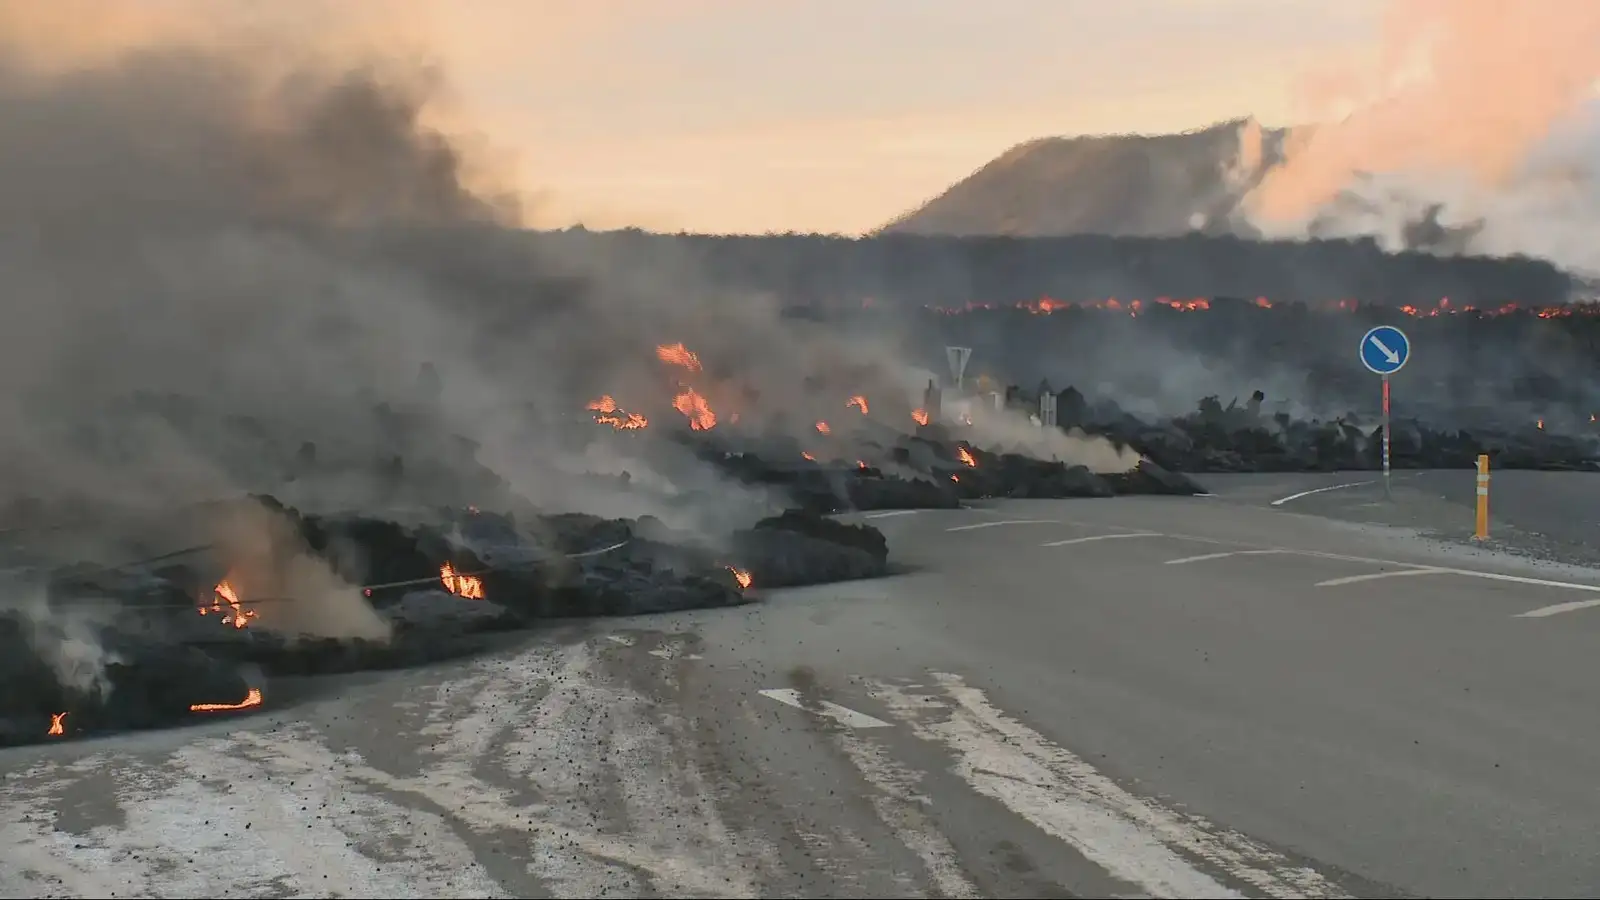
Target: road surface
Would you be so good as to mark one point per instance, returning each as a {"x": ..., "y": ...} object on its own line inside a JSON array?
[{"x": 1140, "y": 697}]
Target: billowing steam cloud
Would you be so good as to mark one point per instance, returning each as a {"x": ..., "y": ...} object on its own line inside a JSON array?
[{"x": 1471, "y": 128}]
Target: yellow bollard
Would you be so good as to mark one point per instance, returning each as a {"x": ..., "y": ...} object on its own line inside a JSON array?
[{"x": 1482, "y": 532}]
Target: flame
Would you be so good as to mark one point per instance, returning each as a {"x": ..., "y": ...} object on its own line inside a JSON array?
[
  {"x": 741, "y": 576},
  {"x": 920, "y": 416},
  {"x": 58, "y": 724},
  {"x": 253, "y": 698},
  {"x": 611, "y": 414},
  {"x": 966, "y": 456},
  {"x": 823, "y": 427},
  {"x": 225, "y": 600},
  {"x": 691, "y": 404},
  {"x": 858, "y": 401},
  {"x": 468, "y": 586},
  {"x": 678, "y": 355},
  {"x": 861, "y": 464},
  {"x": 954, "y": 478},
  {"x": 1591, "y": 417},
  {"x": 807, "y": 455},
  {"x": 632, "y": 422},
  {"x": 1539, "y": 424}
]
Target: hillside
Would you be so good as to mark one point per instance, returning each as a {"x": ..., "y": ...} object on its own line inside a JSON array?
[{"x": 1121, "y": 185}]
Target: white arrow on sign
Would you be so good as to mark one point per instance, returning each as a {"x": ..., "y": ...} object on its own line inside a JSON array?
[{"x": 1390, "y": 355}]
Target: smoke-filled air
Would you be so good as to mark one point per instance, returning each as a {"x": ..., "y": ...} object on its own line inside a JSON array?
[{"x": 229, "y": 256}]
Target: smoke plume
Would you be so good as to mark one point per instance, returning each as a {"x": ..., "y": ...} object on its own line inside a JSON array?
[{"x": 1471, "y": 119}]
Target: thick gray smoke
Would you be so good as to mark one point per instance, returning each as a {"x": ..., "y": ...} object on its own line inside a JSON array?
[
  {"x": 227, "y": 255},
  {"x": 1472, "y": 127}
]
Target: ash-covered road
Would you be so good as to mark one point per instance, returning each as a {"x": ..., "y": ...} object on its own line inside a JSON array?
[{"x": 1132, "y": 697}]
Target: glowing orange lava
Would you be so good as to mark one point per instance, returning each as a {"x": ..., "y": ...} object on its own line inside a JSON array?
[
  {"x": 858, "y": 401},
  {"x": 58, "y": 724},
  {"x": 741, "y": 576},
  {"x": 920, "y": 416},
  {"x": 808, "y": 456},
  {"x": 966, "y": 456},
  {"x": 253, "y": 698},
  {"x": 824, "y": 428},
  {"x": 678, "y": 355},
  {"x": 695, "y": 407},
  {"x": 468, "y": 586},
  {"x": 225, "y": 600}
]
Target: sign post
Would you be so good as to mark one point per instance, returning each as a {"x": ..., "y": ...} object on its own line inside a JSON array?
[
  {"x": 1384, "y": 351},
  {"x": 958, "y": 358}
]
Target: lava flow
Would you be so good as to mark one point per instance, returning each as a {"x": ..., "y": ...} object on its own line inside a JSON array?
[
  {"x": 608, "y": 413},
  {"x": 920, "y": 416},
  {"x": 966, "y": 456},
  {"x": 679, "y": 355},
  {"x": 824, "y": 428},
  {"x": 58, "y": 724},
  {"x": 741, "y": 576},
  {"x": 859, "y": 402},
  {"x": 253, "y": 698},
  {"x": 695, "y": 407},
  {"x": 225, "y": 600},
  {"x": 468, "y": 586}
]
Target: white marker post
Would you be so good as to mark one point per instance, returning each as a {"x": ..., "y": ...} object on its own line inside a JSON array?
[
  {"x": 1387, "y": 495},
  {"x": 1384, "y": 350}
]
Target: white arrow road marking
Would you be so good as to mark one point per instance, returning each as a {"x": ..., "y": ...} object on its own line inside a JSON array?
[
  {"x": 1383, "y": 348},
  {"x": 844, "y": 715}
]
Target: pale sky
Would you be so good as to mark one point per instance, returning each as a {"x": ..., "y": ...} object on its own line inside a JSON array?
[
  {"x": 837, "y": 115},
  {"x": 805, "y": 115}
]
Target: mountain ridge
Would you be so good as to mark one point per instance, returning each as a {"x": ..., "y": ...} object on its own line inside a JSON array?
[{"x": 1122, "y": 185}]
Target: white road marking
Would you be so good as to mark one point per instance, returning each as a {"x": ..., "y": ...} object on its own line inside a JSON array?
[
  {"x": 1209, "y": 556},
  {"x": 1374, "y": 576},
  {"x": 1100, "y": 537},
  {"x": 904, "y": 810},
  {"x": 842, "y": 714},
  {"x": 976, "y": 526},
  {"x": 673, "y": 652},
  {"x": 1132, "y": 838},
  {"x": 1320, "y": 490},
  {"x": 1557, "y": 609},
  {"x": 890, "y": 513}
]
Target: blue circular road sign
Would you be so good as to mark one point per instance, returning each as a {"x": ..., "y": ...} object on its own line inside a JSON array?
[{"x": 1385, "y": 349}]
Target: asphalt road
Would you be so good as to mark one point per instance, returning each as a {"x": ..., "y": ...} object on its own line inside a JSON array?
[{"x": 1172, "y": 697}]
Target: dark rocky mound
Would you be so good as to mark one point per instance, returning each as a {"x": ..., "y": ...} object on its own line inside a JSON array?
[{"x": 148, "y": 645}]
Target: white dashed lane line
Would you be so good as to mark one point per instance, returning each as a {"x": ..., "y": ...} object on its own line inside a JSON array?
[
  {"x": 1557, "y": 609},
  {"x": 1321, "y": 490},
  {"x": 1375, "y": 576},
  {"x": 1101, "y": 537},
  {"x": 977, "y": 525},
  {"x": 1204, "y": 557}
]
